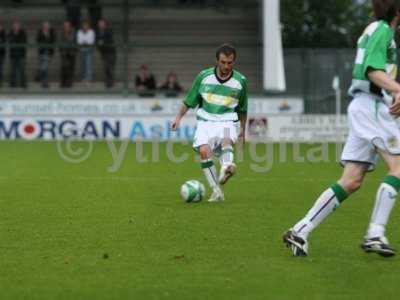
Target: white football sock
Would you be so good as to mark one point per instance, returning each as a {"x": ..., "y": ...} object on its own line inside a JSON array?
[
  {"x": 384, "y": 203},
  {"x": 323, "y": 207},
  {"x": 227, "y": 155},
  {"x": 210, "y": 172}
]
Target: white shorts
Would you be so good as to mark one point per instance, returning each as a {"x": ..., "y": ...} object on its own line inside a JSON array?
[
  {"x": 371, "y": 127},
  {"x": 213, "y": 133}
]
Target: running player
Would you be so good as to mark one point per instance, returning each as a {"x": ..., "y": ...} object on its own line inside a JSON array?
[{"x": 373, "y": 131}]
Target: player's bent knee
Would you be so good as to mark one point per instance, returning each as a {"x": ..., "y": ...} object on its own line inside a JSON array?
[
  {"x": 204, "y": 152},
  {"x": 351, "y": 185},
  {"x": 395, "y": 172},
  {"x": 227, "y": 142}
]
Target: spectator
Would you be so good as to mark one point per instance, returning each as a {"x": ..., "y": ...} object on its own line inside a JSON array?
[
  {"x": 105, "y": 44},
  {"x": 95, "y": 12},
  {"x": 3, "y": 41},
  {"x": 17, "y": 39},
  {"x": 73, "y": 12},
  {"x": 145, "y": 82},
  {"x": 68, "y": 55},
  {"x": 46, "y": 38},
  {"x": 171, "y": 86},
  {"x": 86, "y": 39}
]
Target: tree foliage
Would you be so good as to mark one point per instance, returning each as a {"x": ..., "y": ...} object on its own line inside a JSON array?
[{"x": 323, "y": 23}]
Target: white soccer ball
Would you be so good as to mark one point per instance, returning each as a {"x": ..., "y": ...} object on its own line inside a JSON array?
[{"x": 193, "y": 191}]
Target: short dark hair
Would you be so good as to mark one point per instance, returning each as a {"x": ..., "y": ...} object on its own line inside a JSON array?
[
  {"x": 385, "y": 9},
  {"x": 226, "y": 49}
]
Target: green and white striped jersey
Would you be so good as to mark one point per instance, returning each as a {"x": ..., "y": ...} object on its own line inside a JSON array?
[
  {"x": 376, "y": 50},
  {"x": 218, "y": 100}
]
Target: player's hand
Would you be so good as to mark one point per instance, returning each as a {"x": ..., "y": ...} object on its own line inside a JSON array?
[
  {"x": 175, "y": 124},
  {"x": 395, "y": 108}
]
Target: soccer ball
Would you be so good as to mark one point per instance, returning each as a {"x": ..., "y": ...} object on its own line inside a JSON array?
[{"x": 192, "y": 191}]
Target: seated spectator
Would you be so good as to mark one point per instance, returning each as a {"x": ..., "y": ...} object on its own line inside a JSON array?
[
  {"x": 3, "y": 41},
  {"x": 86, "y": 39},
  {"x": 105, "y": 44},
  {"x": 18, "y": 40},
  {"x": 171, "y": 86},
  {"x": 67, "y": 55},
  {"x": 145, "y": 82},
  {"x": 46, "y": 38}
]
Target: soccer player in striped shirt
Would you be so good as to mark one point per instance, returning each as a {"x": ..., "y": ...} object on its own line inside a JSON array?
[
  {"x": 220, "y": 96},
  {"x": 373, "y": 132}
]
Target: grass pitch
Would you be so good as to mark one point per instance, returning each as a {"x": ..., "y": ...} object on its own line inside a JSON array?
[{"x": 77, "y": 231}]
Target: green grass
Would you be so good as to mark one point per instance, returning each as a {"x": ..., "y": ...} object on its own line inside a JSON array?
[{"x": 77, "y": 231}]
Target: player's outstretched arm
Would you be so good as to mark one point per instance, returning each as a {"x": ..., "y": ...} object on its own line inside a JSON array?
[
  {"x": 182, "y": 112},
  {"x": 384, "y": 81}
]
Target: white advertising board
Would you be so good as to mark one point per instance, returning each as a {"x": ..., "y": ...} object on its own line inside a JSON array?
[
  {"x": 117, "y": 107},
  {"x": 301, "y": 128}
]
